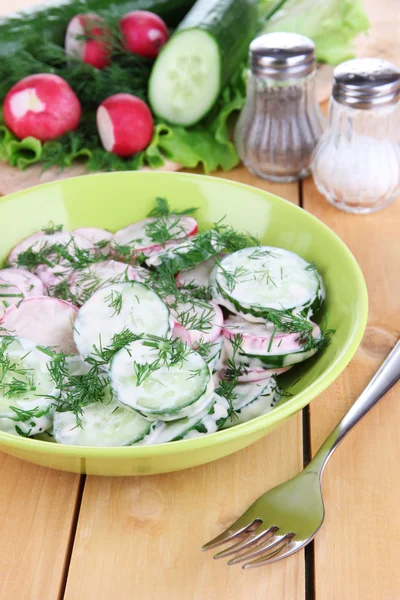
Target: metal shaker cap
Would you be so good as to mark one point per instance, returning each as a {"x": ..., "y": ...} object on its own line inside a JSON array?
[
  {"x": 282, "y": 55},
  {"x": 366, "y": 83}
]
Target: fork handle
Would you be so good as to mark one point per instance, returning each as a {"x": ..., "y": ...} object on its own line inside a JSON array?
[{"x": 380, "y": 384}]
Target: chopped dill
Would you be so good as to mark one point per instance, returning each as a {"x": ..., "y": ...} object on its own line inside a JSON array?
[{"x": 114, "y": 300}]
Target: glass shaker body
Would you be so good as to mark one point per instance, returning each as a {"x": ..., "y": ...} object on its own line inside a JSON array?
[
  {"x": 279, "y": 127},
  {"x": 356, "y": 164}
]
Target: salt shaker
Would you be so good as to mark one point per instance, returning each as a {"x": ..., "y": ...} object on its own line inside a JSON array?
[
  {"x": 356, "y": 164},
  {"x": 281, "y": 122}
]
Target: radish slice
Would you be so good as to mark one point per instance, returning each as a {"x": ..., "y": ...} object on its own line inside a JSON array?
[
  {"x": 38, "y": 241},
  {"x": 98, "y": 237},
  {"x": 263, "y": 346},
  {"x": 51, "y": 276},
  {"x": 260, "y": 338},
  {"x": 199, "y": 275},
  {"x": 178, "y": 331},
  {"x": 17, "y": 284},
  {"x": 29, "y": 284},
  {"x": 43, "y": 320},
  {"x": 202, "y": 319},
  {"x": 9, "y": 296},
  {"x": 141, "y": 235},
  {"x": 85, "y": 282}
]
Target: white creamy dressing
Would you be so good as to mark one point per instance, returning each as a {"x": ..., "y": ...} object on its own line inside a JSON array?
[
  {"x": 140, "y": 310},
  {"x": 24, "y": 355},
  {"x": 263, "y": 340},
  {"x": 167, "y": 388},
  {"x": 267, "y": 277},
  {"x": 105, "y": 423}
]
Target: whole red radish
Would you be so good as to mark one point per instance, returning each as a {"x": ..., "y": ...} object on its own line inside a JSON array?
[
  {"x": 96, "y": 51},
  {"x": 42, "y": 106},
  {"x": 125, "y": 124},
  {"x": 144, "y": 33}
]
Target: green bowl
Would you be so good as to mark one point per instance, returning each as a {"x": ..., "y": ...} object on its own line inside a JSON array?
[{"x": 112, "y": 201}]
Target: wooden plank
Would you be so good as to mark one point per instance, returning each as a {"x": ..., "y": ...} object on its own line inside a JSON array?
[
  {"x": 142, "y": 536},
  {"x": 358, "y": 550},
  {"x": 37, "y": 508}
]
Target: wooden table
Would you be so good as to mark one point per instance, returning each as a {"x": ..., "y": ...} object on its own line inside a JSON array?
[{"x": 85, "y": 538}]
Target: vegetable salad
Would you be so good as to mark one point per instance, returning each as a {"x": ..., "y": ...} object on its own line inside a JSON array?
[{"x": 155, "y": 333}]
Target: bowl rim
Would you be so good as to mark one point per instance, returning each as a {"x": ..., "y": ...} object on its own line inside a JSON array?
[{"x": 267, "y": 421}]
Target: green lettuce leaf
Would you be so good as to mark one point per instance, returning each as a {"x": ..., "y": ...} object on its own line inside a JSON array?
[{"x": 331, "y": 24}]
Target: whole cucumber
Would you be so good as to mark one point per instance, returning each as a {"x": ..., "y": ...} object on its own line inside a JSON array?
[{"x": 50, "y": 21}]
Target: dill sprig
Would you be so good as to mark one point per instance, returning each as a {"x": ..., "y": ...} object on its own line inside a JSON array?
[
  {"x": 228, "y": 383},
  {"x": 170, "y": 353},
  {"x": 15, "y": 380},
  {"x": 102, "y": 356},
  {"x": 52, "y": 228},
  {"x": 162, "y": 209},
  {"x": 196, "y": 320},
  {"x": 51, "y": 255},
  {"x": 114, "y": 300},
  {"x": 232, "y": 278}
]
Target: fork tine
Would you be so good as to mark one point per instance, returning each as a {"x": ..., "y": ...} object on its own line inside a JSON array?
[
  {"x": 274, "y": 556},
  {"x": 252, "y": 553},
  {"x": 252, "y": 538},
  {"x": 231, "y": 533}
]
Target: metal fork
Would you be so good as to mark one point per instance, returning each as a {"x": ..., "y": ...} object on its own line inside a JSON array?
[{"x": 287, "y": 518}]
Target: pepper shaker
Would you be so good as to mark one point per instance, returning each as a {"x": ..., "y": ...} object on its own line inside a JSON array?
[
  {"x": 356, "y": 164},
  {"x": 281, "y": 121}
]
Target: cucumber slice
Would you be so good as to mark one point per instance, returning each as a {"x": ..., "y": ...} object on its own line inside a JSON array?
[
  {"x": 264, "y": 346},
  {"x": 253, "y": 400},
  {"x": 103, "y": 424},
  {"x": 254, "y": 279},
  {"x": 27, "y": 386},
  {"x": 130, "y": 305},
  {"x": 159, "y": 385},
  {"x": 186, "y": 78},
  {"x": 212, "y": 419},
  {"x": 200, "y": 58}
]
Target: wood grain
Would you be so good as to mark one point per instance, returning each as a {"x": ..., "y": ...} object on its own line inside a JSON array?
[
  {"x": 141, "y": 537},
  {"x": 37, "y": 508},
  {"x": 358, "y": 549}
]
